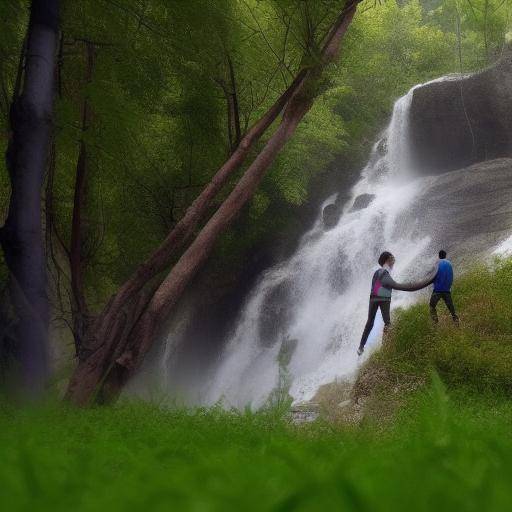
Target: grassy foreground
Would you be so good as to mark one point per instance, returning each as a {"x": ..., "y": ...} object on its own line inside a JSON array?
[
  {"x": 477, "y": 356},
  {"x": 437, "y": 455},
  {"x": 447, "y": 447}
]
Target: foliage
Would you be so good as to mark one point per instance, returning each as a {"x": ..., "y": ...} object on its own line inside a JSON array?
[
  {"x": 478, "y": 355},
  {"x": 13, "y": 17},
  {"x": 482, "y": 28},
  {"x": 160, "y": 129},
  {"x": 444, "y": 452}
]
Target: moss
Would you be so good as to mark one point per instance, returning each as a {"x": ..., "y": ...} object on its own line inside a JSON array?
[{"x": 476, "y": 355}]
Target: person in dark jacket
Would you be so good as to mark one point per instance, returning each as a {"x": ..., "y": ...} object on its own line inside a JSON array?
[
  {"x": 380, "y": 296},
  {"x": 442, "y": 288}
]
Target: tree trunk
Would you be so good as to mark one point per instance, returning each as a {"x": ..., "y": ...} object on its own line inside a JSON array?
[
  {"x": 77, "y": 261},
  {"x": 27, "y": 153},
  {"x": 110, "y": 365},
  {"x": 114, "y": 313},
  {"x": 233, "y": 108}
]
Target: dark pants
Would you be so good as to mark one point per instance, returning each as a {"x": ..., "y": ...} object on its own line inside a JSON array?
[
  {"x": 447, "y": 298},
  {"x": 384, "y": 306}
]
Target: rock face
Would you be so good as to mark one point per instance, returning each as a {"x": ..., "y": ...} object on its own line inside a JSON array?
[
  {"x": 468, "y": 211},
  {"x": 362, "y": 201},
  {"x": 458, "y": 122},
  {"x": 330, "y": 215}
]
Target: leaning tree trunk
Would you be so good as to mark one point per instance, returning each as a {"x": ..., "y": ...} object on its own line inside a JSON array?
[
  {"x": 102, "y": 375},
  {"x": 115, "y": 315},
  {"x": 21, "y": 237}
]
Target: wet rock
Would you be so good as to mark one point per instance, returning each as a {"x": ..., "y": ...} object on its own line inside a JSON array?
[
  {"x": 275, "y": 314},
  {"x": 382, "y": 147},
  {"x": 467, "y": 212},
  {"x": 456, "y": 123},
  {"x": 330, "y": 215},
  {"x": 304, "y": 413},
  {"x": 362, "y": 201}
]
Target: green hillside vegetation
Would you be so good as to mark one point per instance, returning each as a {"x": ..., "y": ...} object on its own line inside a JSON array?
[
  {"x": 476, "y": 357},
  {"x": 449, "y": 440}
]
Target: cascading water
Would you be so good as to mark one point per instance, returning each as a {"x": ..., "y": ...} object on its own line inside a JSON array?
[
  {"x": 310, "y": 310},
  {"x": 301, "y": 325}
]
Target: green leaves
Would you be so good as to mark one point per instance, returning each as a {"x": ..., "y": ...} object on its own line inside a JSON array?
[{"x": 159, "y": 97}]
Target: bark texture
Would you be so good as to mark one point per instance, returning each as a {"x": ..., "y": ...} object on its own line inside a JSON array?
[
  {"x": 22, "y": 235},
  {"x": 125, "y": 300},
  {"x": 77, "y": 258},
  {"x": 122, "y": 347}
]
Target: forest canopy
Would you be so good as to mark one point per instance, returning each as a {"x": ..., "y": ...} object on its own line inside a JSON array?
[{"x": 151, "y": 97}]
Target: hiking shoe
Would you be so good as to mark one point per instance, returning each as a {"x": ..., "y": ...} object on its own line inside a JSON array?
[{"x": 360, "y": 350}]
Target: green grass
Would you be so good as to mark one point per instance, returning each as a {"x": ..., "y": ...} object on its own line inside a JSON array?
[
  {"x": 476, "y": 355},
  {"x": 448, "y": 446},
  {"x": 440, "y": 454}
]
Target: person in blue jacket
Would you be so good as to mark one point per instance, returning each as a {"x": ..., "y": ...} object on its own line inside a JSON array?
[{"x": 442, "y": 288}]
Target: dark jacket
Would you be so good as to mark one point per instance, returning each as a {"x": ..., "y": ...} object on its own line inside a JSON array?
[
  {"x": 383, "y": 285},
  {"x": 444, "y": 277}
]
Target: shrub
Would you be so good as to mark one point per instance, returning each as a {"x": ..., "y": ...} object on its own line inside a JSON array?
[{"x": 477, "y": 354}]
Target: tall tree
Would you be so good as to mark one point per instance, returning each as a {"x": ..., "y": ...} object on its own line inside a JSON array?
[
  {"x": 119, "y": 345},
  {"x": 21, "y": 237},
  {"x": 76, "y": 255}
]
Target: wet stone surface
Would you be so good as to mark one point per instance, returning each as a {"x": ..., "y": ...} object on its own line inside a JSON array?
[
  {"x": 362, "y": 201},
  {"x": 304, "y": 413}
]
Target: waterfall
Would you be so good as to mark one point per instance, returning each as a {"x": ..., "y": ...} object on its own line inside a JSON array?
[{"x": 301, "y": 325}]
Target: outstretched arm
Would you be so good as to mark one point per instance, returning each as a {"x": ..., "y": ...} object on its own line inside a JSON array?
[{"x": 389, "y": 282}]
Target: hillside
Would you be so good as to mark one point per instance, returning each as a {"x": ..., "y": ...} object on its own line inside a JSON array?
[{"x": 476, "y": 357}]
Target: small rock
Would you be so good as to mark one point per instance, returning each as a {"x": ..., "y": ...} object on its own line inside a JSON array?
[
  {"x": 330, "y": 215},
  {"x": 362, "y": 201},
  {"x": 304, "y": 413},
  {"x": 382, "y": 147}
]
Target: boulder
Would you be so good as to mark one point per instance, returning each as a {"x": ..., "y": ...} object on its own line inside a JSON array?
[
  {"x": 382, "y": 147},
  {"x": 362, "y": 201},
  {"x": 275, "y": 313},
  {"x": 467, "y": 212},
  {"x": 457, "y": 122},
  {"x": 330, "y": 215}
]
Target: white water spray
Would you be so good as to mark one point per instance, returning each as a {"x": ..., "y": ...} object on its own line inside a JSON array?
[{"x": 303, "y": 321}]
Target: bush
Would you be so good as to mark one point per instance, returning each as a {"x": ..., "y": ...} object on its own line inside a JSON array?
[{"x": 477, "y": 354}]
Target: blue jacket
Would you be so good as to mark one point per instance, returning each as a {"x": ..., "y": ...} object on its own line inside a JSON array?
[{"x": 444, "y": 277}]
